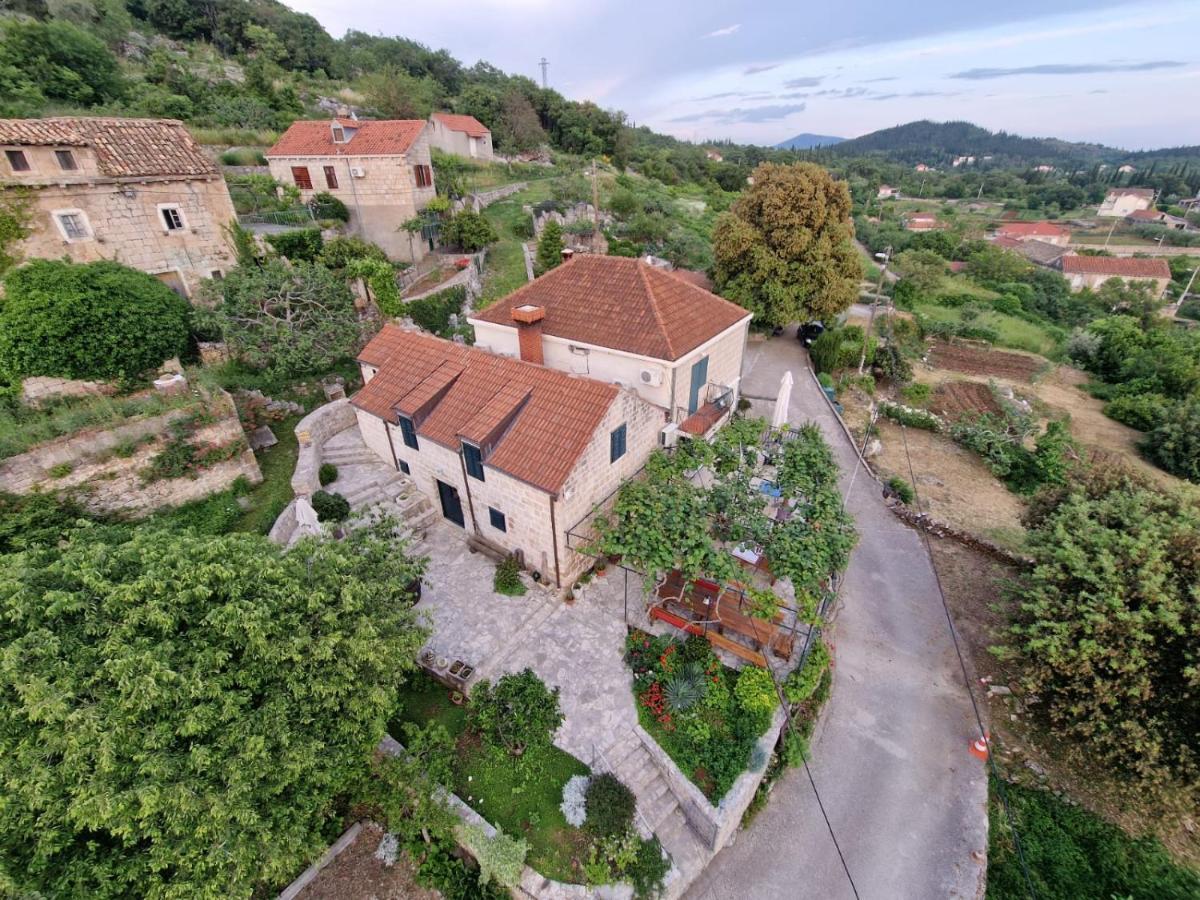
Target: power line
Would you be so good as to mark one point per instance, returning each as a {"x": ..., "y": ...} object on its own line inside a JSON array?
[
  {"x": 543, "y": 65},
  {"x": 1012, "y": 825}
]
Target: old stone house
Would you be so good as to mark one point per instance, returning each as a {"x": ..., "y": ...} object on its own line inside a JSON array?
[
  {"x": 380, "y": 168},
  {"x": 629, "y": 323},
  {"x": 1093, "y": 271},
  {"x": 514, "y": 453},
  {"x": 1046, "y": 232},
  {"x": 460, "y": 135},
  {"x": 138, "y": 191},
  {"x": 1120, "y": 202}
]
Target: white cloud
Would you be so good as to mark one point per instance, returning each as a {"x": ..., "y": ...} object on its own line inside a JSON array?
[{"x": 724, "y": 32}]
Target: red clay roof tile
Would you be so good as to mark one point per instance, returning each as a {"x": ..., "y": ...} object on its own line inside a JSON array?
[
  {"x": 469, "y": 124},
  {"x": 1124, "y": 267},
  {"x": 125, "y": 148},
  {"x": 625, "y": 304},
  {"x": 370, "y": 137},
  {"x": 553, "y": 414}
]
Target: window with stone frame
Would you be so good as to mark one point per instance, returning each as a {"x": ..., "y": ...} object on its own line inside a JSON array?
[
  {"x": 17, "y": 160},
  {"x": 66, "y": 160},
  {"x": 74, "y": 225}
]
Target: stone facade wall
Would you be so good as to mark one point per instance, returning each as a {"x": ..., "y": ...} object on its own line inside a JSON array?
[
  {"x": 125, "y": 223},
  {"x": 106, "y": 482},
  {"x": 725, "y": 352},
  {"x": 380, "y": 201},
  {"x": 533, "y": 521},
  {"x": 715, "y": 825}
]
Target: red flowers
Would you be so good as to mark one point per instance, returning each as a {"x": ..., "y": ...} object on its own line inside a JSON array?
[{"x": 652, "y": 699}]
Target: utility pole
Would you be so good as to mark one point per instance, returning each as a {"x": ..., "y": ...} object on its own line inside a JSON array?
[
  {"x": 887, "y": 258},
  {"x": 1110, "y": 231},
  {"x": 544, "y": 65},
  {"x": 595, "y": 208},
  {"x": 1188, "y": 289}
]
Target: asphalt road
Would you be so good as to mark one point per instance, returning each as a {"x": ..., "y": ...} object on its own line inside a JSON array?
[{"x": 890, "y": 760}]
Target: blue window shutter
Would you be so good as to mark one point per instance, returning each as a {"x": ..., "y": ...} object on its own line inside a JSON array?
[
  {"x": 497, "y": 519},
  {"x": 474, "y": 461},
  {"x": 616, "y": 444},
  {"x": 408, "y": 432}
]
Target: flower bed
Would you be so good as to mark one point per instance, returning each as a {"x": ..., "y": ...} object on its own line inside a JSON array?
[
  {"x": 523, "y": 795},
  {"x": 706, "y": 716}
]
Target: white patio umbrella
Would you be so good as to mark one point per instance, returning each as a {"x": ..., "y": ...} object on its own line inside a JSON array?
[{"x": 779, "y": 419}]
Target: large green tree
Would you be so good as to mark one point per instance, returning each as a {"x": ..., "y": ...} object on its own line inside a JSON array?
[
  {"x": 88, "y": 320},
  {"x": 288, "y": 319},
  {"x": 785, "y": 249},
  {"x": 180, "y": 714},
  {"x": 550, "y": 247},
  {"x": 56, "y": 61},
  {"x": 1109, "y": 622}
]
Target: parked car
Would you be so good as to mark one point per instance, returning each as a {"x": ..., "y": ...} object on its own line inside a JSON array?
[{"x": 809, "y": 332}]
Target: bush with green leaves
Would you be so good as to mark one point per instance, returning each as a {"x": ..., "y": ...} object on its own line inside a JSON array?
[
  {"x": 340, "y": 251},
  {"x": 54, "y": 61},
  {"x": 516, "y": 712},
  {"x": 327, "y": 474},
  {"x": 907, "y": 415},
  {"x": 549, "y": 248},
  {"x": 1174, "y": 444},
  {"x": 302, "y": 245},
  {"x": 99, "y": 320},
  {"x": 916, "y": 394},
  {"x": 901, "y": 489},
  {"x": 610, "y": 806},
  {"x": 507, "y": 580},
  {"x": 260, "y": 622},
  {"x": 802, "y": 682},
  {"x": 330, "y": 507},
  {"x": 840, "y": 348},
  {"x": 433, "y": 312},
  {"x": 287, "y": 320},
  {"x": 755, "y": 692},
  {"x": 326, "y": 206},
  {"x": 501, "y": 857},
  {"x": 469, "y": 231}
]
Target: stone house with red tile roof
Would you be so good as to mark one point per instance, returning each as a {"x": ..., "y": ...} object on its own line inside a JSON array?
[
  {"x": 1093, "y": 271},
  {"x": 1120, "y": 202},
  {"x": 514, "y": 453},
  {"x": 460, "y": 135},
  {"x": 138, "y": 191},
  {"x": 1046, "y": 232},
  {"x": 626, "y": 322},
  {"x": 380, "y": 168}
]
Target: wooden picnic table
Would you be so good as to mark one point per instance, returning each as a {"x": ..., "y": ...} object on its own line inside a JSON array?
[{"x": 718, "y": 609}]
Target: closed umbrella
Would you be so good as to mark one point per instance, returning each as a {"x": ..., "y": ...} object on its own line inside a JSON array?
[{"x": 779, "y": 419}]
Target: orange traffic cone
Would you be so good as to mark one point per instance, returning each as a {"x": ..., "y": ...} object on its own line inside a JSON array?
[{"x": 979, "y": 747}]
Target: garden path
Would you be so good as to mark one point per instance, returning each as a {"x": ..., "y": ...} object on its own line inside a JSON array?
[{"x": 906, "y": 800}]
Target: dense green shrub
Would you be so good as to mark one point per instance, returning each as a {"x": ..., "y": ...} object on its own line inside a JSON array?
[
  {"x": 469, "y": 231},
  {"x": 549, "y": 248},
  {"x": 907, "y": 415},
  {"x": 54, "y": 61},
  {"x": 517, "y": 712},
  {"x": 98, "y": 320},
  {"x": 340, "y": 251},
  {"x": 304, "y": 244},
  {"x": 802, "y": 682},
  {"x": 243, "y": 156},
  {"x": 840, "y": 348},
  {"x": 1174, "y": 444},
  {"x": 902, "y": 489},
  {"x": 1070, "y": 852},
  {"x": 649, "y": 870},
  {"x": 330, "y": 507},
  {"x": 916, "y": 394},
  {"x": 507, "y": 580},
  {"x": 755, "y": 692},
  {"x": 610, "y": 806},
  {"x": 327, "y": 474},
  {"x": 433, "y": 312},
  {"x": 327, "y": 206}
]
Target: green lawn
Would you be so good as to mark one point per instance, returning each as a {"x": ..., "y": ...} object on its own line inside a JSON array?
[
  {"x": 521, "y": 796},
  {"x": 505, "y": 270},
  {"x": 1074, "y": 855},
  {"x": 1011, "y": 331}
]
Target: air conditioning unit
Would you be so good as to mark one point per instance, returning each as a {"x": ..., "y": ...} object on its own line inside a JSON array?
[
  {"x": 651, "y": 377},
  {"x": 669, "y": 436},
  {"x": 358, "y": 171}
]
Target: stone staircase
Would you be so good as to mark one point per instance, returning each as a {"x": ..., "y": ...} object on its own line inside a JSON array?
[
  {"x": 350, "y": 454},
  {"x": 657, "y": 807},
  {"x": 368, "y": 482}
]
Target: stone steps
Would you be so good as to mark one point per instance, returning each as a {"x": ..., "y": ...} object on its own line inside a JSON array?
[{"x": 350, "y": 456}]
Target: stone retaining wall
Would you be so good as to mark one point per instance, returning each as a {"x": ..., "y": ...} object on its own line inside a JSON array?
[
  {"x": 312, "y": 432},
  {"x": 483, "y": 199},
  {"x": 105, "y": 482},
  {"x": 714, "y": 825},
  {"x": 40, "y": 389},
  {"x": 940, "y": 529}
]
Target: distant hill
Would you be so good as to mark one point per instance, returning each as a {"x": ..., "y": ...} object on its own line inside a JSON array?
[
  {"x": 808, "y": 141},
  {"x": 938, "y": 143}
]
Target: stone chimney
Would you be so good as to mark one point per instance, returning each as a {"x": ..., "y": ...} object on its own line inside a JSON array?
[
  {"x": 529, "y": 331},
  {"x": 567, "y": 254}
]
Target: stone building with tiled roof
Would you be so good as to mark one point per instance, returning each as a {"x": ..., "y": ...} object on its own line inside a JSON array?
[
  {"x": 629, "y": 323},
  {"x": 1093, "y": 271},
  {"x": 380, "y": 168},
  {"x": 514, "y": 453},
  {"x": 140, "y": 191},
  {"x": 460, "y": 135}
]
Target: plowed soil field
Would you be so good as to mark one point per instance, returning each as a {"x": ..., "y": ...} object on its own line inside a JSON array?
[
  {"x": 978, "y": 361},
  {"x": 955, "y": 399}
]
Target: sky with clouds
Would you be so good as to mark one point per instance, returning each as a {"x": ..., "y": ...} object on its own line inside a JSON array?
[{"x": 1120, "y": 73}]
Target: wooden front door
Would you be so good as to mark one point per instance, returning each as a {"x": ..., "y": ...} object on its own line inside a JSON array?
[{"x": 451, "y": 504}]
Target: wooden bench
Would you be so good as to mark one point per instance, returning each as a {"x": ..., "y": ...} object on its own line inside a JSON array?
[{"x": 741, "y": 650}]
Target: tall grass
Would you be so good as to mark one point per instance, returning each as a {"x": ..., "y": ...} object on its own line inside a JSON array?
[
  {"x": 22, "y": 428},
  {"x": 234, "y": 137}
]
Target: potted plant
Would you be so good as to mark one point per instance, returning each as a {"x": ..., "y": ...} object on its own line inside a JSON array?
[
  {"x": 457, "y": 698},
  {"x": 426, "y": 656},
  {"x": 601, "y": 566}
]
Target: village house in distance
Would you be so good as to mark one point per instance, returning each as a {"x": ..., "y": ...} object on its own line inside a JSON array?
[
  {"x": 380, "y": 168},
  {"x": 138, "y": 191},
  {"x": 629, "y": 323},
  {"x": 1120, "y": 202},
  {"x": 1093, "y": 271},
  {"x": 460, "y": 135}
]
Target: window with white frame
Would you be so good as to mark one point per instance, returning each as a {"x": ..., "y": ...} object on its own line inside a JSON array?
[
  {"x": 73, "y": 224},
  {"x": 172, "y": 217}
]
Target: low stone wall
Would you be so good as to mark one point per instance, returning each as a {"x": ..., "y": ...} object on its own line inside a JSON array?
[
  {"x": 483, "y": 199},
  {"x": 714, "y": 824},
  {"x": 41, "y": 389},
  {"x": 106, "y": 482},
  {"x": 940, "y": 529},
  {"x": 312, "y": 432},
  {"x": 309, "y": 875},
  {"x": 470, "y": 278}
]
